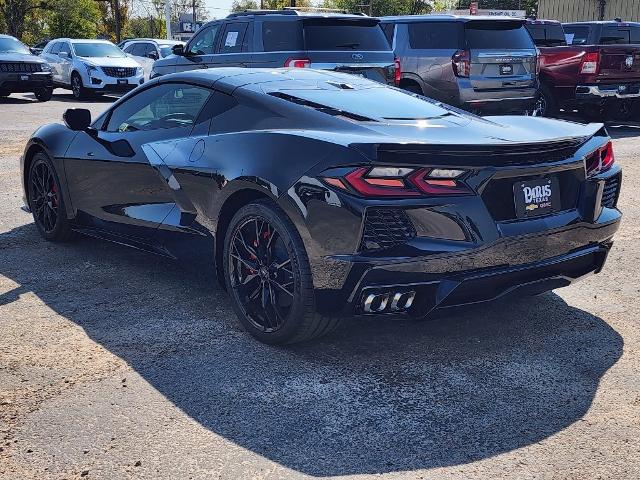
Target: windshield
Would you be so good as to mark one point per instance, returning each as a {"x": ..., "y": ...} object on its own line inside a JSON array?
[
  {"x": 11, "y": 45},
  {"x": 389, "y": 104},
  {"x": 97, "y": 50},
  {"x": 495, "y": 35},
  {"x": 328, "y": 34}
]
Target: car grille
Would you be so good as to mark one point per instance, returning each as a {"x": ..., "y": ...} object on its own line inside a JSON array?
[
  {"x": 119, "y": 72},
  {"x": 386, "y": 228},
  {"x": 499, "y": 199},
  {"x": 20, "y": 67},
  {"x": 610, "y": 192}
]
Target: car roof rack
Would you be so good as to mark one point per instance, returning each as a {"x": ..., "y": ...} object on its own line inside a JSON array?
[{"x": 295, "y": 11}]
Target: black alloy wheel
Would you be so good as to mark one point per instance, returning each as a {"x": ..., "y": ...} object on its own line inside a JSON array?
[
  {"x": 45, "y": 200},
  {"x": 268, "y": 276},
  {"x": 79, "y": 92},
  {"x": 44, "y": 94}
]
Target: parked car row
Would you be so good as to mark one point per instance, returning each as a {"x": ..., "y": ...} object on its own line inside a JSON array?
[{"x": 486, "y": 65}]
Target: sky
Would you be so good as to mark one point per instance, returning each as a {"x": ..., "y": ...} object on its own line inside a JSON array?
[{"x": 218, "y": 8}]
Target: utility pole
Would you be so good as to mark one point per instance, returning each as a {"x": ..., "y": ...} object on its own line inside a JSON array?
[
  {"x": 116, "y": 16},
  {"x": 293, "y": 3},
  {"x": 167, "y": 17},
  {"x": 193, "y": 22}
]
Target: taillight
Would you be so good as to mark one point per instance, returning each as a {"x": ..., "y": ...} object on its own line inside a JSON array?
[
  {"x": 297, "y": 63},
  {"x": 461, "y": 62},
  {"x": 590, "y": 63},
  {"x": 401, "y": 182},
  {"x": 600, "y": 160},
  {"x": 538, "y": 61},
  {"x": 398, "y": 72}
]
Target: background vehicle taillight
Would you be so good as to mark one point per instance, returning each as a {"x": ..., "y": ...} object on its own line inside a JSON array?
[
  {"x": 600, "y": 160},
  {"x": 461, "y": 62},
  {"x": 297, "y": 63},
  {"x": 590, "y": 63},
  {"x": 398, "y": 72},
  {"x": 400, "y": 182}
]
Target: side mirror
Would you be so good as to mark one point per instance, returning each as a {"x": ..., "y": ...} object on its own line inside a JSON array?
[
  {"x": 152, "y": 55},
  {"x": 178, "y": 49},
  {"x": 34, "y": 51},
  {"x": 63, "y": 55},
  {"x": 77, "y": 119}
]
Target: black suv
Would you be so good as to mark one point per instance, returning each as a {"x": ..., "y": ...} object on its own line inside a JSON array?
[
  {"x": 22, "y": 71},
  {"x": 287, "y": 38}
]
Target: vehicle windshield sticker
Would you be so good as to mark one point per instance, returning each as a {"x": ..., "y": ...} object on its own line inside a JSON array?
[
  {"x": 569, "y": 38},
  {"x": 232, "y": 38}
]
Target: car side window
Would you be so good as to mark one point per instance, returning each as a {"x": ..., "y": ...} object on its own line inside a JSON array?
[
  {"x": 435, "y": 35},
  {"x": 64, "y": 47},
  {"x": 55, "y": 48},
  {"x": 170, "y": 105},
  {"x": 388, "y": 29},
  {"x": 149, "y": 48},
  {"x": 204, "y": 41},
  {"x": 233, "y": 38},
  {"x": 129, "y": 48}
]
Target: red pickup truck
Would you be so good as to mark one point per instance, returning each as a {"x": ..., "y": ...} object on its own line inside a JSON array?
[{"x": 593, "y": 67}]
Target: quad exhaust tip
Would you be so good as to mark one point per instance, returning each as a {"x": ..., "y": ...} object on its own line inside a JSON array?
[{"x": 388, "y": 302}]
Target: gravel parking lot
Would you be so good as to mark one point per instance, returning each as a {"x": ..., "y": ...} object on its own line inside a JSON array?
[{"x": 115, "y": 364}]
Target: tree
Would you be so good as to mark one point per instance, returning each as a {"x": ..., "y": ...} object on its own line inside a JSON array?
[
  {"x": 74, "y": 19},
  {"x": 242, "y": 5},
  {"x": 382, "y": 7},
  {"x": 15, "y": 12}
]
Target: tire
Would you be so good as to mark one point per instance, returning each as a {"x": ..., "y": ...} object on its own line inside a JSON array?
[
  {"x": 547, "y": 104},
  {"x": 413, "y": 88},
  {"x": 44, "y": 94},
  {"x": 290, "y": 315},
  {"x": 46, "y": 200},
  {"x": 592, "y": 113},
  {"x": 78, "y": 89},
  {"x": 620, "y": 110}
]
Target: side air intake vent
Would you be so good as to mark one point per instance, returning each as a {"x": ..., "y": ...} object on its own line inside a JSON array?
[
  {"x": 386, "y": 228},
  {"x": 610, "y": 192}
]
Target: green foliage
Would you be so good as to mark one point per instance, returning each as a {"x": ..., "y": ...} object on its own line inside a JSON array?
[
  {"x": 382, "y": 7},
  {"x": 150, "y": 27},
  {"x": 73, "y": 18},
  {"x": 242, "y": 5}
]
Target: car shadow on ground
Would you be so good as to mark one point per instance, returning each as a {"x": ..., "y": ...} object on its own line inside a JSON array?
[{"x": 373, "y": 397}]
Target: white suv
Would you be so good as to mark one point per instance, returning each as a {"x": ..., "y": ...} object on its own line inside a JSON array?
[{"x": 91, "y": 66}]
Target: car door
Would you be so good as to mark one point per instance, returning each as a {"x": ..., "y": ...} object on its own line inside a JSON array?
[
  {"x": 50, "y": 54},
  {"x": 66, "y": 63},
  {"x": 200, "y": 50},
  {"x": 114, "y": 187},
  {"x": 233, "y": 46}
]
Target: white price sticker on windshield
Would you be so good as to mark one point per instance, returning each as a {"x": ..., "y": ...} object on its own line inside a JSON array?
[{"x": 232, "y": 39}]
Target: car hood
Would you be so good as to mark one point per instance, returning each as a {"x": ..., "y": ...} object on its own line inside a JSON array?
[
  {"x": 20, "y": 57},
  {"x": 168, "y": 61},
  {"x": 110, "y": 62}
]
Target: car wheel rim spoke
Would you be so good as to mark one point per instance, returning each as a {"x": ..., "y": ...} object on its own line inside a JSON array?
[
  {"x": 44, "y": 197},
  {"x": 261, "y": 273}
]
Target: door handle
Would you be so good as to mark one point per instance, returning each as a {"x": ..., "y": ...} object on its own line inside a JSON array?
[{"x": 90, "y": 154}]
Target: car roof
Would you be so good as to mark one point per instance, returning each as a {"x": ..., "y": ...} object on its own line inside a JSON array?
[
  {"x": 229, "y": 78},
  {"x": 603, "y": 22},
  {"x": 78, "y": 40},
  {"x": 455, "y": 18},
  {"x": 2, "y": 35},
  {"x": 293, "y": 14},
  {"x": 531, "y": 21},
  {"x": 154, "y": 40}
]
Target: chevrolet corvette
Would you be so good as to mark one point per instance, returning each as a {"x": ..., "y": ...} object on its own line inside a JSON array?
[{"x": 318, "y": 195}]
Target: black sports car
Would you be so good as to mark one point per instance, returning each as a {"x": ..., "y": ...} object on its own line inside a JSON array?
[{"x": 320, "y": 195}]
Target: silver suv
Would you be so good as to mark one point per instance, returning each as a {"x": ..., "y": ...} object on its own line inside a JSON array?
[
  {"x": 481, "y": 64},
  {"x": 91, "y": 66}
]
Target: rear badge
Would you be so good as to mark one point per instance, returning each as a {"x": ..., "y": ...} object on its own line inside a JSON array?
[
  {"x": 629, "y": 61},
  {"x": 357, "y": 56},
  {"x": 536, "y": 197},
  {"x": 506, "y": 69}
]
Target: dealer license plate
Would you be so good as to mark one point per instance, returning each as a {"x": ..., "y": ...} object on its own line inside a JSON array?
[{"x": 537, "y": 197}]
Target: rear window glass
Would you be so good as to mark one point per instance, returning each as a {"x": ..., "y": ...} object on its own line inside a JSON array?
[
  {"x": 495, "y": 35},
  {"x": 551, "y": 35},
  {"x": 282, "y": 36},
  {"x": 619, "y": 34},
  {"x": 388, "y": 29},
  {"x": 389, "y": 103},
  {"x": 434, "y": 35},
  {"x": 320, "y": 34},
  {"x": 576, "y": 34}
]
